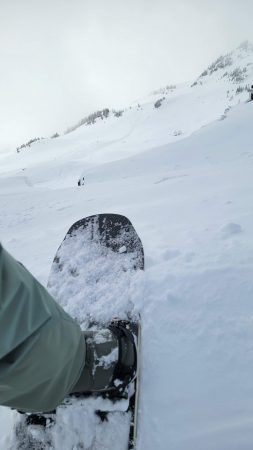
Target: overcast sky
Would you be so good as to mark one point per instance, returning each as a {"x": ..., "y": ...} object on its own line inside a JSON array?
[{"x": 62, "y": 59}]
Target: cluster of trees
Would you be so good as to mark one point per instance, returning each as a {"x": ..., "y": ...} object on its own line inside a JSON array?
[
  {"x": 220, "y": 63},
  {"x": 240, "y": 89},
  {"x": 28, "y": 144},
  {"x": 158, "y": 102},
  {"x": 90, "y": 119},
  {"x": 118, "y": 113},
  {"x": 165, "y": 90},
  {"x": 237, "y": 75},
  {"x": 177, "y": 133},
  {"x": 31, "y": 141}
]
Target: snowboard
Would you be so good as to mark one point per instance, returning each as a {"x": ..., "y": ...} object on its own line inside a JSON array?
[{"x": 93, "y": 278}]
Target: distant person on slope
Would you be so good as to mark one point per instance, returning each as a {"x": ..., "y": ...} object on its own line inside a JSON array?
[{"x": 44, "y": 354}]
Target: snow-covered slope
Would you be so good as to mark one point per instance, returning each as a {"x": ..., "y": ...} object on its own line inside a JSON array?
[
  {"x": 141, "y": 126},
  {"x": 189, "y": 197}
]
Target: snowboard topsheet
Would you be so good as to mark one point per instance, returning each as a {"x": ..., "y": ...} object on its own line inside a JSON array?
[{"x": 92, "y": 278}]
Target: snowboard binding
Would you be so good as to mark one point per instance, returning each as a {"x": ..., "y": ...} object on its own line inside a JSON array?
[
  {"x": 123, "y": 336},
  {"x": 126, "y": 367}
]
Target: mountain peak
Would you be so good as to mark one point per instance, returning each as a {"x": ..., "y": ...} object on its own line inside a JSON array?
[
  {"x": 246, "y": 46},
  {"x": 234, "y": 67}
]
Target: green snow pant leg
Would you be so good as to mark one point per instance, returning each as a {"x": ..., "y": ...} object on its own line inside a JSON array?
[{"x": 42, "y": 349}]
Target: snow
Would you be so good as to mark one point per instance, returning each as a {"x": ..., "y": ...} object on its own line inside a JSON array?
[
  {"x": 107, "y": 360},
  {"x": 189, "y": 197},
  {"x": 83, "y": 286}
]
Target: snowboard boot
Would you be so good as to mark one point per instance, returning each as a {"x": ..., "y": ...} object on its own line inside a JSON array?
[
  {"x": 111, "y": 361},
  {"x": 110, "y": 365}
]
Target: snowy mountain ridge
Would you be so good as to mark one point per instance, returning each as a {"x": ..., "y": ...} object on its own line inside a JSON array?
[{"x": 227, "y": 78}]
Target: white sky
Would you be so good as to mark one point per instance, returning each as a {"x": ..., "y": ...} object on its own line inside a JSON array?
[{"x": 62, "y": 59}]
